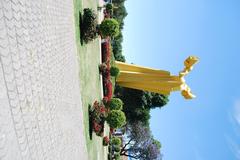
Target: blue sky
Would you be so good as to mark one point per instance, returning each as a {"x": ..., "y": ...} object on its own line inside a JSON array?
[{"x": 162, "y": 34}]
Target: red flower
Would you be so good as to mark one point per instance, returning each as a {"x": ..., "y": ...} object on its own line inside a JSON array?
[
  {"x": 106, "y": 54},
  {"x": 109, "y": 90},
  {"x": 105, "y": 140},
  {"x": 102, "y": 109},
  {"x": 112, "y": 130},
  {"x": 105, "y": 99},
  {"x": 97, "y": 127},
  {"x": 107, "y": 77}
]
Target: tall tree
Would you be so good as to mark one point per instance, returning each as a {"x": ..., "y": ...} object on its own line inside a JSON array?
[
  {"x": 118, "y": 1},
  {"x": 141, "y": 144},
  {"x": 119, "y": 13},
  {"x": 137, "y": 103}
]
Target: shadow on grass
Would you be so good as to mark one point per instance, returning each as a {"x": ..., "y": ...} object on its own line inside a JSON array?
[
  {"x": 81, "y": 27},
  {"x": 90, "y": 122}
]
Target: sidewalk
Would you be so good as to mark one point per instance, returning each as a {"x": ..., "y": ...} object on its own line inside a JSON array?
[{"x": 41, "y": 111}]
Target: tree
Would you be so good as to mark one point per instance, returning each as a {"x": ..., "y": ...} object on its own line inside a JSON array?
[
  {"x": 137, "y": 103},
  {"x": 141, "y": 98},
  {"x": 119, "y": 13},
  {"x": 155, "y": 100},
  {"x": 109, "y": 27},
  {"x": 157, "y": 143},
  {"x": 118, "y": 1},
  {"x": 120, "y": 58},
  {"x": 116, "y": 47},
  {"x": 119, "y": 38},
  {"x": 141, "y": 144}
]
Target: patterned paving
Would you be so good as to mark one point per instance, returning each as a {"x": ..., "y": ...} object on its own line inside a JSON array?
[{"x": 40, "y": 107}]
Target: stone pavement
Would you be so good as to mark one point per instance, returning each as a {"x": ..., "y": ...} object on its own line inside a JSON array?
[{"x": 40, "y": 105}]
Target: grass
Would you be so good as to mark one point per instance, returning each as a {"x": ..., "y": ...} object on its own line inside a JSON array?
[{"x": 90, "y": 81}]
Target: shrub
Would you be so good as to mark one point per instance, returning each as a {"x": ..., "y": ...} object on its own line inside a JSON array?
[
  {"x": 117, "y": 148},
  {"x": 99, "y": 111},
  {"x": 116, "y": 119},
  {"x": 114, "y": 71},
  {"x": 109, "y": 27},
  {"x": 89, "y": 25},
  {"x": 116, "y": 141},
  {"x": 98, "y": 115},
  {"x": 98, "y": 128},
  {"x": 109, "y": 156},
  {"x": 109, "y": 8},
  {"x": 117, "y": 156},
  {"x": 115, "y": 104}
]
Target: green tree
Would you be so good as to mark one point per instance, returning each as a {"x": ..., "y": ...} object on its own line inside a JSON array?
[
  {"x": 109, "y": 27},
  {"x": 116, "y": 119},
  {"x": 119, "y": 38},
  {"x": 157, "y": 143},
  {"x": 118, "y": 1},
  {"x": 119, "y": 13},
  {"x": 158, "y": 100},
  {"x": 120, "y": 58},
  {"x": 138, "y": 103}
]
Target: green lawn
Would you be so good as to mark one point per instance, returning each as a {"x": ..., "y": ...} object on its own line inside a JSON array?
[{"x": 90, "y": 80}]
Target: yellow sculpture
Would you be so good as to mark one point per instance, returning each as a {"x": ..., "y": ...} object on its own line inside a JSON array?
[{"x": 158, "y": 81}]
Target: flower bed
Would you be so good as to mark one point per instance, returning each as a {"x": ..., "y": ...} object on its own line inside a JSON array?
[
  {"x": 113, "y": 114},
  {"x": 98, "y": 115},
  {"x": 106, "y": 57},
  {"x": 106, "y": 54}
]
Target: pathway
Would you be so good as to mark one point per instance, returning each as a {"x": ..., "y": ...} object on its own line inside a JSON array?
[{"x": 40, "y": 108}]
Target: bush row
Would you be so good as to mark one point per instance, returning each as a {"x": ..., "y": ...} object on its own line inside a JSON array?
[{"x": 89, "y": 27}]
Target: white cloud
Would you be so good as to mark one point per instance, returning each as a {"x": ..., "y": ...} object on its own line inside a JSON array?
[
  {"x": 235, "y": 148},
  {"x": 237, "y": 111},
  {"x": 234, "y": 117}
]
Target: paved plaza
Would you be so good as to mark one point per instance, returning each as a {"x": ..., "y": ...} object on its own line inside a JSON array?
[{"x": 40, "y": 103}]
